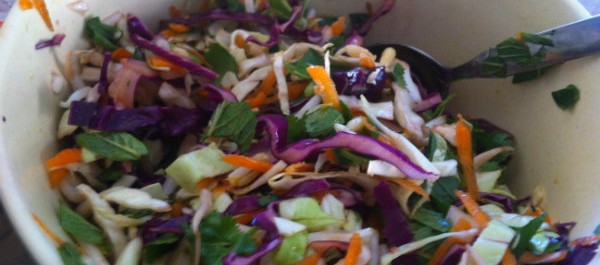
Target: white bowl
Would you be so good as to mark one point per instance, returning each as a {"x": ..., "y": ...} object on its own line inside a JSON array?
[{"x": 557, "y": 150}]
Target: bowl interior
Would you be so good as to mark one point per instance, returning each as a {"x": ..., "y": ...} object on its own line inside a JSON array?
[{"x": 556, "y": 149}]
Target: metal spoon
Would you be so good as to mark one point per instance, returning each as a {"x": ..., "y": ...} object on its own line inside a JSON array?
[{"x": 570, "y": 42}]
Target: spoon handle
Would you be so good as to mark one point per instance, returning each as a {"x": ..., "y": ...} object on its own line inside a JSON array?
[{"x": 571, "y": 41}]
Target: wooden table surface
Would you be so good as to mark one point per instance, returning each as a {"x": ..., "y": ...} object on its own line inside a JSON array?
[{"x": 12, "y": 251}]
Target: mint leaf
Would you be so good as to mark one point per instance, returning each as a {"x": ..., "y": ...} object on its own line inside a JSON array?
[
  {"x": 296, "y": 129},
  {"x": 235, "y": 121},
  {"x": 101, "y": 34},
  {"x": 512, "y": 50},
  {"x": 567, "y": 97},
  {"x": 116, "y": 146},
  {"x": 531, "y": 75},
  {"x": 220, "y": 60},
  {"x": 524, "y": 235},
  {"x": 78, "y": 227},
  {"x": 346, "y": 157},
  {"x": 432, "y": 219},
  {"x": 346, "y": 113},
  {"x": 442, "y": 193},
  {"x": 69, "y": 254},
  {"x": 398, "y": 73},
  {"x": 319, "y": 123},
  {"x": 298, "y": 68},
  {"x": 280, "y": 8},
  {"x": 157, "y": 248},
  {"x": 221, "y": 236}
]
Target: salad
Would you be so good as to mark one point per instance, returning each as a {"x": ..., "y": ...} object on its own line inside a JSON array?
[{"x": 259, "y": 132}]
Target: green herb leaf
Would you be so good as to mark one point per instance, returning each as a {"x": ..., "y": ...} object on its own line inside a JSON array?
[
  {"x": 319, "y": 123},
  {"x": 346, "y": 157},
  {"x": 512, "y": 50},
  {"x": 345, "y": 111},
  {"x": 398, "y": 73},
  {"x": 265, "y": 200},
  {"x": 296, "y": 129},
  {"x": 69, "y": 254},
  {"x": 78, "y": 227},
  {"x": 531, "y": 75},
  {"x": 524, "y": 235},
  {"x": 535, "y": 39},
  {"x": 101, "y": 34},
  {"x": 220, "y": 60},
  {"x": 298, "y": 68},
  {"x": 442, "y": 106},
  {"x": 280, "y": 8},
  {"x": 489, "y": 139},
  {"x": 235, "y": 121},
  {"x": 567, "y": 97},
  {"x": 496, "y": 163},
  {"x": 111, "y": 174},
  {"x": 494, "y": 66},
  {"x": 235, "y": 5},
  {"x": 138, "y": 54},
  {"x": 437, "y": 148},
  {"x": 118, "y": 146},
  {"x": 442, "y": 193},
  {"x": 221, "y": 236},
  {"x": 434, "y": 220},
  {"x": 157, "y": 248}
]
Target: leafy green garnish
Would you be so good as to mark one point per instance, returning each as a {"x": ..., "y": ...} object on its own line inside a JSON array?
[
  {"x": 220, "y": 60},
  {"x": 346, "y": 157},
  {"x": 489, "y": 139},
  {"x": 69, "y": 254},
  {"x": 118, "y": 146},
  {"x": 326, "y": 21},
  {"x": 442, "y": 106},
  {"x": 221, "y": 236},
  {"x": 319, "y": 123},
  {"x": 398, "y": 73},
  {"x": 525, "y": 233},
  {"x": 496, "y": 163},
  {"x": 298, "y": 68},
  {"x": 442, "y": 193},
  {"x": 567, "y": 97},
  {"x": 296, "y": 129},
  {"x": 292, "y": 249},
  {"x": 111, "y": 174},
  {"x": 280, "y": 8},
  {"x": 78, "y": 227},
  {"x": 235, "y": 121},
  {"x": 531, "y": 75},
  {"x": 138, "y": 54},
  {"x": 512, "y": 50},
  {"x": 265, "y": 200},
  {"x": 437, "y": 148},
  {"x": 433, "y": 219},
  {"x": 101, "y": 34},
  {"x": 494, "y": 66},
  {"x": 162, "y": 245}
]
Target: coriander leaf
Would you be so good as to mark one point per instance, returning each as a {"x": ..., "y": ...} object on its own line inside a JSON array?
[
  {"x": 280, "y": 8},
  {"x": 69, "y": 254},
  {"x": 319, "y": 123},
  {"x": 235, "y": 121},
  {"x": 220, "y": 60},
  {"x": 78, "y": 227},
  {"x": 494, "y": 66},
  {"x": 535, "y": 39},
  {"x": 296, "y": 129},
  {"x": 346, "y": 157},
  {"x": 118, "y": 146},
  {"x": 496, "y": 163},
  {"x": 157, "y": 248},
  {"x": 398, "y": 73},
  {"x": 434, "y": 220},
  {"x": 512, "y": 50},
  {"x": 102, "y": 35},
  {"x": 524, "y": 235},
  {"x": 489, "y": 138},
  {"x": 567, "y": 97},
  {"x": 442, "y": 193},
  {"x": 420, "y": 230},
  {"x": 138, "y": 54},
  {"x": 221, "y": 236},
  {"x": 265, "y": 200},
  {"x": 298, "y": 68}
]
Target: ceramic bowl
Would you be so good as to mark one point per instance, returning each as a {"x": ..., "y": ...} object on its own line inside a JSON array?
[{"x": 556, "y": 150}]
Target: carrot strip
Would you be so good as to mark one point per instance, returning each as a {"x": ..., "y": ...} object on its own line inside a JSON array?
[
  {"x": 219, "y": 189},
  {"x": 508, "y": 258},
  {"x": 57, "y": 240},
  {"x": 179, "y": 28},
  {"x": 121, "y": 53},
  {"x": 330, "y": 155},
  {"x": 246, "y": 218},
  {"x": 40, "y": 6},
  {"x": 310, "y": 260},
  {"x": 367, "y": 62},
  {"x": 354, "y": 249},
  {"x": 325, "y": 86},
  {"x": 240, "y": 42},
  {"x": 338, "y": 26},
  {"x": 25, "y": 4},
  {"x": 167, "y": 33},
  {"x": 260, "y": 95},
  {"x": 295, "y": 89},
  {"x": 159, "y": 62},
  {"x": 55, "y": 177},
  {"x": 407, "y": 184},
  {"x": 299, "y": 167},
  {"x": 539, "y": 211},
  {"x": 64, "y": 157},
  {"x": 465, "y": 156},
  {"x": 205, "y": 183},
  {"x": 473, "y": 208},
  {"x": 247, "y": 162}
]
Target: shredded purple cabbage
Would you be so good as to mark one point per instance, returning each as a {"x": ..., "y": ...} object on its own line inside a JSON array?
[
  {"x": 235, "y": 259},
  {"x": 56, "y": 40},
  {"x": 103, "y": 82},
  {"x": 266, "y": 221},
  {"x": 581, "y": 255},
  {"x": 277, "y": 29},
  {"x": 243, "y": 204},
  {"x": 188, "y": 64},
  {"x": 308, "y": 187},
  {"x": 396, "y": 228},
  {"x": 355, "y": 82},
  {"x": 508, "y": 203},
  {"x": 136, "y": 26},
  {"x": 276, "y": 126},
  {"x": 155, "y": 227}
]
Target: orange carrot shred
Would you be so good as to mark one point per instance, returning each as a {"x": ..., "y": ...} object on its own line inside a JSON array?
[
  {"x": 338, "y": 26},
  {"x": 325, "y": 86},
  {"x": 473, "y": 208},
  {"x": 121, "y": 53},
  {"x": 354, "y": 249},
  {"x": 465, "y": 156},
  {"x": 64, "y": 157},
  {"x": 508, "y": 258},
  {"x": 219, "y": 189},
  {"x": 265, "y": 87},
  {"x": 179, "y": 28},
  {"x": 159, "y": 62},
  {"x": 295, "y": 89},
  {"x": 167, "y": 33},
  {"x": 407, "y": 184},
  {"x": 56, "y": 176},
  {"x": 367, "y": 62},
  {"x": 25, "y": 4},
  {"x": 247, "y": 162},
  {"x": 40, "y": 6},
  {"x": 330, "y": 155},
  {"x": 205, "y": 183},
  {"x": 310, "y": 260},
  {"x": 240, "y": 42},
  {"x": 299, "y": 167},
  {"x": 57, "y": 240},
  {"x": 519, "y": 36}
]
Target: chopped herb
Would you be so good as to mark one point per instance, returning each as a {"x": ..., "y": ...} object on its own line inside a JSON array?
[
  {"x": 235, "y": 5},
  {"x": 235, "y": 121},
  {"x": 296, "y": 129},
  {"x": 111, "y": 174},
  {"x": 531, "y": 75},
  {"x": 220, "y": 60},
  {"x": 567, "y": 97},
  {"x": 102, "y": 35},
  {"x": 398, "y": 74},
  {"x": 118, "y": 146},
  {"x": 512, "y": 50},
  {"x": 486, "y": 139},
  {"x": 265, "y": 200},
  {"x": 280, "y": 8},
  {"x": 494, "y": 66},
  {"x": 298, "y": 68},
  {"x": 138, "y": 54},
  {"x": 319, "y": 123},
  {"x": 442, "y": 106},
  {"x": 535, "y": 39},
  {"x": 346, "y": 113},
  {"x": 338, "y": 42},
  {"x": 157, "y": 248},
  {"x": 437, "y": 148},
  {"x": 69, "y": 254},
  {"x": 524, "y": 235},
  {"x": 433, "y": 219},
  {"x": 78, "y": 227},
  {"x": 442, "y": 193},
  {"x": 497, "y": 163},
  {"x": 221, "y": 236}
]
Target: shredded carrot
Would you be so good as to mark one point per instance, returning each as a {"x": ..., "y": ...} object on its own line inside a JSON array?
[
  {"x": 325, "y": 86},
  {"x": 57, "y": 240},
  {"x": 121, "y": 53},
  {"x": 338, "y": 26},
  {"x": 240, "y": 42},
  {"x": 295, "y": 89},
  {"x": 464, "y": 148},
  {"x": 310, "y": 260},
  {"x": 330, "y": 155},
  {"x": 167, "y": 33},
  {"x": 56, "y": 176},
  {"x": 247, "y": 162},
  {"x": 246, "y": 218},
  {"x": 25, "y": 4},
  {"x": 407, "y": 184},
  {"x": 176, "y": 209},
  {"x": 159, "y": 62},
  {"x": 508, "y": 258},
  {"x": 367, "y": 62},
  {"x": 179, "y": 28},
  {"x": 299, "y": 167},
  {"x": 354, "y": 249},
  {"x": 174, "y": 12},
  {"x": 219, "y": 189},
  {"x": 461, "y": 225},
  {"x": 519, "y": 36},
  {"x": 384, "y": 139},
  {"x": 473, "y": 208},
  {"x": 64, "y": 157},
  {"x": 205, "y": 183},
  {"x": 40, "y": 6},
  {"x": 263, "y": 90}
]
